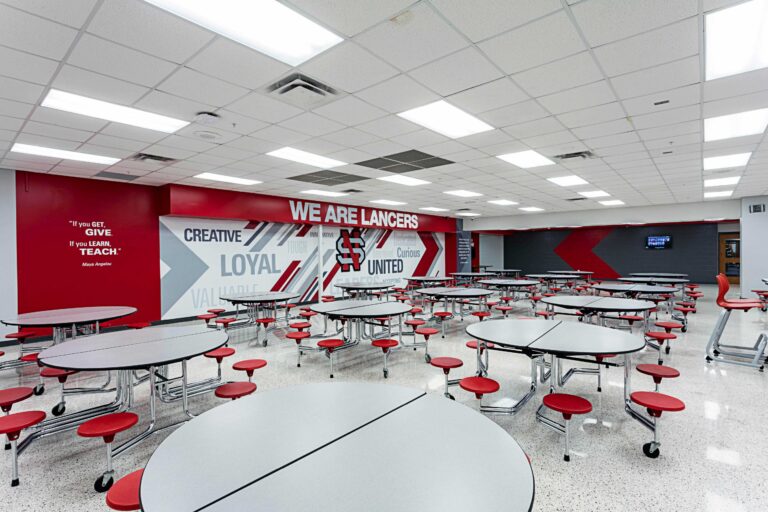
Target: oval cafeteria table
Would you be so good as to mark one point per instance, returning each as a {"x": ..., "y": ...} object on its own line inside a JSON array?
[
  {"x": 453, "y": 293},
  {"x": 60, "y": 319},
  {"x": 365, "y": 288},
  {"x": 470, "y": 277},
  {"x": 658, "y": 274},
  {"x": 509, "y": 284},
  {"x": 634, "y": 289},
  {"x": 255, "y": 303},
  {"x": 654, "y": 280},
  {"x": 340, "y": 447},
  {"x": 426, "y": 280},
  {"x": 506, "y": 271},
  {"x": 361, "y": 310},
  {"x": 599, "y": 305},
  {"x": 572, "y": 272}
]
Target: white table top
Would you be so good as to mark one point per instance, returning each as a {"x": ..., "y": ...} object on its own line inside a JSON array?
[
  {"x": 425, "y": 279},
  {"x": 69, "y": 316},
  {"x": 556, "y": 337},
  {"x": 338, "y": 447},
  {"x": 454, "y": 292},
  {"x": 361, "y": 308},
  {"x": 133, "y": 348},
  {"x": 647, "y": 289},
  {"x": 473, "y": 274},
  {"x": 508, "y": 283},
  {"x": 653, "y": 280},
  {"x": 598, "y": 303},
  {"x": 572, "y": 272},
  {"x": 657, "y": 274},
  {"x": 363, "y": 286},
  {"x": 259, "y": 297},
  {"x": 554, "y": 277}
]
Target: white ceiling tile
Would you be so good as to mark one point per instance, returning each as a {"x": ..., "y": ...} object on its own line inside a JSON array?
[
  {"x": 169, "y": 152},
  {"x": 170, "y": 105},
  {"x": 412, "y": 39},
  {"x": 662, "y": 45},
  {"x": 15, "y": 108},
  {"x": 488, "y": 96},
  {"x": 659, "y": 78},
  {"x": 348, "y": 67},
  {"x": 735, "y": 85},
  {"x": 237, "y": 123},
  {"x": 311, "y": 124},
  {"x": 383, "y": 147},
  {"x": 398, "y": 94},
  {"x": 604, "y": 21},
  {"x": 612, "y": 140},
  {"x": 16, "y": 90},
  {"x": 534, "y": 128},
  {"x": 592, "y": 115},
  {"x": 350, "y": 137},
  {"x": 577, "y": 98},
  {"x": 58, "y": 132},
  {"x": 672, "y": 116},
  {"x": 736, "y": 104},
  {"x": 388, "y": 126},
  {"x": 495, "y": 16},
  {"x": 237, "y": 64},
  {"x": 117, "y": 142},
  {"x": 33, "y": 34},
  {"x": 261, "y": 107},
  {"x": 94, "y": 85},
  {"x": 133, "y": 133},
  {"x": 10, "y": 123},
  {"x": 147, "y": 28},
  {"x": 193, "y": 85},
  {"x": 72, "y": 12},
  {"x": 47, "y": 141},
  {"x": 67, "y": 119},
  {"x": 419, "y": 138},
  {"x": 514, "y": 114},
  {"x": 563, "y": 74},
  {"x": 550, "y": 140},
  {"x": 280, "y": 135},
  {"x": 542, "y": 41},
  {"x": 670, "y": 130},
  {"x": 191, "y": 144},
  {"x": 320, "y": 146},
  {"x": 598, "y": 130},
  {"x": 462, "y": 70},
  {"x": 24, "y": 66},
  {"x": 350, "y": 111},
  {"x": 674, "y": 98},
  {"x": 350, "y": 17}
]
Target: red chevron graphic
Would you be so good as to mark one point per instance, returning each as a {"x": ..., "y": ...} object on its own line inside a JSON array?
[
  {"x": 430, "y": 252},
  {"x": 282, "y": 280},
  {"x": 576, "y": 251}
]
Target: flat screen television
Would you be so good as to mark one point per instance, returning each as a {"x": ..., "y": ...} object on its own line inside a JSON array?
[{"x": 658, "y": 242}]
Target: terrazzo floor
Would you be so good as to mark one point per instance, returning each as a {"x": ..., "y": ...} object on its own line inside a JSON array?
[{"x": 712, "y": 454}]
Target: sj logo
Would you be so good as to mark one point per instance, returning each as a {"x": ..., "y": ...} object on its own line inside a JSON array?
[{"x": 350, "y": 250}]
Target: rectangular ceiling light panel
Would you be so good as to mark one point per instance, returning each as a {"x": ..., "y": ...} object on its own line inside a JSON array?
[
  {"x": 752, "y": 122},
  {"x": 726, "y": 161},
  {"x": 720, "y": 193},
  {"x": 325, "y": 193},
  {"x": 736, "y": 39},
  {"x": 568, "y": 181},
  {"x": 526, "y": 159},
  {"x": 226, "y": 179},
  {"x": 388, "y": 202},
  {"x": 404, "y": 180},
  {"x": 503, "y": 202},
  {"x": 61, "y": 154},
  {"x": 594, "y": 193},
  {"x": 721, "y": 182},
  {"x": 433, "y": 209},
  {"x": 444, "y": 118},
  {"x": 267, "y": 26},
  {"x": 304, "y": 157},
  {"x": 462, "y": 193}
]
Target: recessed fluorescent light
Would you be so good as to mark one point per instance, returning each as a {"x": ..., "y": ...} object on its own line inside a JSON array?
[
  {"x": 226, "y": 179},
  {"x": 720, "y": 182},
  {"x": 568, "y": 181},
  {"x": 594, "y": 193},
  {"x": 264, "y": 25},
  {"x": 326, "y": 193},
  {"x": 446, "y": 119},
  {"x": 742, "y": 124},
  {"x": 303, "y": 157},
  {"x": 462, "y": 193},
  {"x": 719, "y": 193},
  {"x": 736, "y": 39},
  {"x": 526, "y": 159},
  {"x": 433, "y": 209},
  {"x": 82, "y": 105},
  {"x": 612, "y": 202},
  {"x": 404, "y": 180},
  {"x": 28, "y": 149},
  {"x": 531, "y": 209},
  {"x": 503, "y": 202},
  {"x": 726, "y": 161},
  {"x": 467, "y": 214},
  {"x": 388, "y": 202},
  {"x": 714, "y": 219}
]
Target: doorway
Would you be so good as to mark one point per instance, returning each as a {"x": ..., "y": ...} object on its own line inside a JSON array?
[{"x": 730, "y": 256}]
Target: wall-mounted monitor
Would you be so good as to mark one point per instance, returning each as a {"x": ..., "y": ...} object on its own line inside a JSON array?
[{"x": 658, "y": 242}]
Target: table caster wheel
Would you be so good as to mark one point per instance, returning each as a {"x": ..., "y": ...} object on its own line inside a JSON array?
[
  {"x": 386, "y": 373},
  {"x": 427, "y": 358},
  {"x": 101, "y": 485},
  {"x": 666, "y": 350},
  {"x": 684, "y": 329},
  {"x": 264, "y": 343},
  {"x": 651, "y": 454},
  {"x": 39, "y": 390},
  {"x": 709, "y": 359},
  {"x": 448, "y": 395},
  {"x": 59, "y": 409},
  {"x": 716, "y": 352}
]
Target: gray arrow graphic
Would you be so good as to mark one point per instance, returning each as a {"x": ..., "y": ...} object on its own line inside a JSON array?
[{"x": 185, "y": 268}]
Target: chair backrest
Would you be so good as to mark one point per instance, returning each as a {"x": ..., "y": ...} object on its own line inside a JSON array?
[{"x": 722, "y": 288}]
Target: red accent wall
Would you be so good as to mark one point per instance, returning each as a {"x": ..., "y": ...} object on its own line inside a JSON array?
[
  {"x": 51, "y": 272},
  {"x": 450, "y": 253}
]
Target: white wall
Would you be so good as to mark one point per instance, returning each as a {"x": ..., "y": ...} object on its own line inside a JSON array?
[
  {"x": 685, "y": 212},
  {"x": 492, "y": 250},
  {"x": 8, "y": 291},
  {"x": 754, "y": 245}
]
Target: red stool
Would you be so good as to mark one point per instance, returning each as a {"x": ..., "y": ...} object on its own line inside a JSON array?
[
  {"x": 263, "y": 322},
  {"x": 668, "y": 326},
  {"x": 124, "y": 495},
  {"x": 482, "y": 315},
  {"x": 426, "y": 332},
  {"x": 415, "y": 311},
  {"x": 330, "y": 346},
  {"x": 235, "y": 390},
  {"x": 11, "y": 396},
  {"x": 307, "y": 314},
  {"x": 658, "y": 372},
  {"x": 443, "y": 317},
  {"x": 684, "y": 310},
  {"x": 207, "y": 317},
  {"x": 384, "y": 321},
  {"x": 224, "y": 322},
  {"x": 600, "y": 358},
  {"x": 300, "y": 326},
  {"x": 138, "y": 325},
  {"x": 385, "y": 345},
  {"x": 12, "y": 425},
  {"x": 447, "y": 364},
  {"x": 659, "y": 337},
  {"x": 655, "y": 404},
  {"x": 546, "y": 314},
  {"x": 217, "y": 311},
  {"x": 482, "y": 356},
  {"x": 504, "y": 310},
  {"x": 288, "y": 307},
  {"x": 21, "y": 338},
  {"x": 32, "y": 358},
  {"x": 219, "y": 354},
  {"x": 61, "y": 375},
  {"x": 298, "y": 336},
  {"x": 249, "y": 366},
  {"x": 479, "y": 386},
  {"x": 107, "y": 427},
  {"x": 567, "y": 405},
  {"x": 631, "y": 319}
]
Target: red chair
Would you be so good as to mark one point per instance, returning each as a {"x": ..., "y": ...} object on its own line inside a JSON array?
[
  {"x": 385, "y": 345},
  {"x": 426, "y": 332},
  {"x": 11, "y": 396},
  {"x": 298, "y": 337},
  {"x": 658, "y": 372},
  {"x": 655, "y": 403},
  {"x": 447, "y": 364},
  {"x": 124, "y": 495},
  {"x": 249, "y": 366},
  {"x": 235, "y": 390},
  {"x": 567, "y": 405},
  {"x": 62, "y": 376},
  {"x": 330, "y": 346},
  {"x": 107, "y": 427},
  {"x": 12, "y": 425}
]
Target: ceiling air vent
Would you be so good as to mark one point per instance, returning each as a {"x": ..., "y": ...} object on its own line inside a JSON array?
[
  {"x": 574, "y": 199},
  {"x": 352, "y": 191},
  {"x": 146, "y": 157},
  {"x": 578, "y": 154},
  {"x": 302, "y": 91}
]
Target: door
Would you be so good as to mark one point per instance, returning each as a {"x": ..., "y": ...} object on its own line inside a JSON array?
[{"x": 730, "y": 256}]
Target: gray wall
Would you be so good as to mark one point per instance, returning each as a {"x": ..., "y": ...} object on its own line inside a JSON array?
[
  {"x": 8, "y": 297},
  {"x": 754, "y": 245},
  {"x": 694, "y": 250}
]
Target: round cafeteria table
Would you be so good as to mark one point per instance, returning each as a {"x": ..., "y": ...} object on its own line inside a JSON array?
[
  {"x": 361, "y": 311},
  {"x": 507, "y": 285},
  {"x": 470, "y": 277},
  {"x": 364, "y": 288},
  {"x": 515, "y": 272},
  {"x": 634, "y": 289},
  {"x": 654, "y": 280},
  {"x": 425, "y": 280},
  {"x": 583, "y": 273},
  {"x": 61, "y": 319},
  {"x": 658, "y": 274},
  {"x": 257, "y": 305},
  {"x": 339, "y": 447},
  {"x": 453, "y": 294}
]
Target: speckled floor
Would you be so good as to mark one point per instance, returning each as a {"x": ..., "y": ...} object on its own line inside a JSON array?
[{"x": 712, "y": 457}]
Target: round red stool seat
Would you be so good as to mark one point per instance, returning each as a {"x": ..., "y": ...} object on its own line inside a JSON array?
[
  {"x": 30, "y": 358},
  {"x": 249, "y": 365},
  {"x": 307, "y": 314},
  {"x": 416, "y": 310},
  {"x": 207, "y": 316},
  {"x": 600, "y": 357},
  {"x": 108, "y": 425},
  {"x": 473, "y": 345},
  {"x": 481, "y": 314},
  {"x": 298, "y": 336},
  {"x": 415, "y": 322},
  {"x": 535, "y": 298},
  {"x": 656, "y": 403},
  {"x": 382, "y": 319},
  {"x": 235, "y": 390},
  {"x": 443, "y": 314},
  {"x": 21, "y": 336},
  {"x": 446, "y": 363},
  {"x": 124, "y": 495},
  {"x": 224, "y": 321},
  {"x": 427, "y": 331},
  {"x": 287, "y": 306},
  {"x": 220, "y": 353},
  {"x": 217, "y": 311},
  {"x": 330, "y": 344},
  {"x": 300, "y": 325},
  {"x": 658, "y": 371},
  {"x": 545, "y": 314},
  {"x": 631, "y": 318},
  {"x": 661, "y": 336},
  {"x": 11, "y": 396},
  {"x": 265, "y": 321},
  {"x": 402, "y": 298},
  {"x": 327, "y": 299},
  {"x": 668, "y": 326},
  {"x": 384, "y": 344},
  {"x": 567, "y": 404},
  {"x": 138, "y": 325},
  {"x": 504, "y": 308},
  {"x": 13, "y": 424},
  {"x": 479, "y": 385},
  {"x": 685, "y": 309},
  {"x": 56, "y": 373}
]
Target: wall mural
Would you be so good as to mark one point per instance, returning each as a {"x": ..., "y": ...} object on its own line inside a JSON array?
[{"x": 203, "y": 259}]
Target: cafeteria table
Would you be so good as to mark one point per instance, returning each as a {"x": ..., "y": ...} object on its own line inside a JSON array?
[
  {"x": 453, "y": 293},
  {"x": 356, "y": 288},
  {"x": 426, "y": 280},
  {"x": 470, "y": 277},
  {"x": 514, "y": 272},
  {"x": 339, "y": 447},
  {"x": 61, "y": 319},
  {"x": 125, "y": 351},
  {"x": 635, "y": 289},
  {"x": 258, "y": 305},
  {"x": 599, "y": 306},
  {"x": 654, "y": 280},
  {"x": 509, "y": 287},
  {"x": 658, "y": 274},
  {"x": 360, "y": 312},
  {"x": 550, "y": 278},
  {"x": 583, "y": 273}
]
